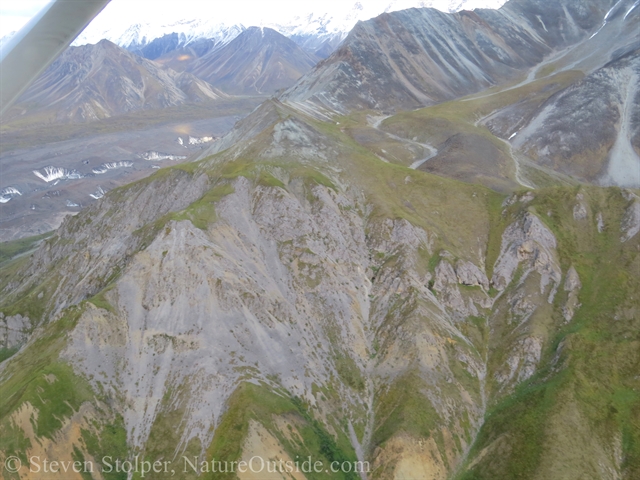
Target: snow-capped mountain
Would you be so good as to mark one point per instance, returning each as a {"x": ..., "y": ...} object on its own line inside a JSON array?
[
  {"x": 140, "y": 34},
  {"x": 321, "y": 28}
]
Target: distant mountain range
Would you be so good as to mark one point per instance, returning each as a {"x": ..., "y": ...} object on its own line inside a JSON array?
[
  {"x": 588, "y": 129},
  {"x": 98, "y": 81},
  {"x": 319, "y": 31},
  {"x": 420, "y": 57},
  {"x": 91, "y": 82},
  {"x": 258, "y": 61},
  {"x": 231, "y": 58}
]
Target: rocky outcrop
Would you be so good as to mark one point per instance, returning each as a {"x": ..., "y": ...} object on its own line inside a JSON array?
[
  {"x": 580, "y": 208},
  {"x": 470, "y": 275},
  {"x": 528, "y": 244},
  {"x": 446, "y": 284},
  {"x": 572, "y": 286},
  {"x": 14, "y": 330},
  {"x": 522, "y": 362},
  {"x": 631, "y": 221}
]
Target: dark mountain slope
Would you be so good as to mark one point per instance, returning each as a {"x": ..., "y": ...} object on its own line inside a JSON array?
[
  {"x": 258, "y": 61},
  {"x": 181, "y": 58}
]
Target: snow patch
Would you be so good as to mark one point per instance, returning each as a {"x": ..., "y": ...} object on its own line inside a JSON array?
[
  {"x": 54, "y": 174},
  {"x": 98, "y": 194},
  {"x": 8, "y": 193},
  {"x": 105, "y": 167},
  {"x": 631, "y": 9},
  {"x": 199, "y": 140},
  {"x": 195, "y": 140},
  {"x": 153, "y": 155}
]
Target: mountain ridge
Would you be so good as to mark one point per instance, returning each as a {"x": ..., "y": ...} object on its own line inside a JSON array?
[
  {"x": 98, "y": 81},
  {"x": 437, "y": 56},
  {"x": 258, "y": 61}
]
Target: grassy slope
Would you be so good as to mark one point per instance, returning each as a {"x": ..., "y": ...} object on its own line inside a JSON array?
[
  {"x": 588, "y": 385},
  {"x": 435, "y": 124},
  {"x": 456, "y": 212},
  {"x": 27, "y": 378},
  {"x": 10, "y": 250}
]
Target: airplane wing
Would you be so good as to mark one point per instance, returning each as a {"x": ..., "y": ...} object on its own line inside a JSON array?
[{"x": 39, "y": 43}]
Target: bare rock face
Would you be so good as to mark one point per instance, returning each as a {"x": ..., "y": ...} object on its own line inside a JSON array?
[
  {"x": 580, "y": 209},
  {"x": 446, "y": 284},
  {"x": 600, "y": 222},
  {"x": 631, "y": 221},
  {"x": 244, "y": 293},
  {"x": 530, "y": 243},
  {"x": 469, "y": 274},
  {"x": 572, "y": 285},
  {"x": 14, "y": 330},
  {"x": 522, "y": 362}
]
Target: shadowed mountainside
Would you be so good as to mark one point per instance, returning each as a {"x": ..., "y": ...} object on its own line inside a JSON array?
[{"x": 258, "y": 61}]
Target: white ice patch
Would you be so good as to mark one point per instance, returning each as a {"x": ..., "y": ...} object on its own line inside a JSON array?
[
  {"x": 199, "y": 140},
  {"x": 153, "y": 155},
  {"x": 71, "y": 204},
  {"x": 8, "y": 193},
  {"x": 52, "y": 174},
  {"x": 631, "y": 9},
  {"x": 98, "y": 194},
  {"x": 105, "y": 167},
  {"x": 606, "y": 17}
]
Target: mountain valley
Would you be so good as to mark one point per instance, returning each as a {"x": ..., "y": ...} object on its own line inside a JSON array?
[{"x": 421, "y": 260}]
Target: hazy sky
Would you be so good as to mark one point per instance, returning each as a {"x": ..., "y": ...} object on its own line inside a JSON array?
[{"x": 15, "y": 13}]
